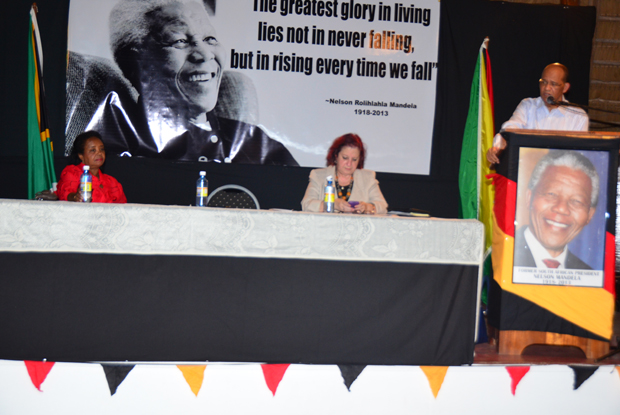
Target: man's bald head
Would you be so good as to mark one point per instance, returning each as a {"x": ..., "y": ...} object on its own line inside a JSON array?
[
  {"x": 553, "y": 84},
  {"x": 555, "y": 66}
]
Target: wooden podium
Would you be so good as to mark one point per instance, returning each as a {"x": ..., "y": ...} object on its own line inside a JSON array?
[{"x": 529, "y": 304}]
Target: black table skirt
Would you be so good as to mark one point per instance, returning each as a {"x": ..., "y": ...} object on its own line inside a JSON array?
[{"x": 103, "y": 307}]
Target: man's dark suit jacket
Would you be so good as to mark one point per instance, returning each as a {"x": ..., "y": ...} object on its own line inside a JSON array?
[{"x": 524, "y": 258}]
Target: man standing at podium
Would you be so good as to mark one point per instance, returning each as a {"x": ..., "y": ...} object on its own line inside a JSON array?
[
  {"x": 543, "y": 113},
  {"x": 562, "y": 196}
]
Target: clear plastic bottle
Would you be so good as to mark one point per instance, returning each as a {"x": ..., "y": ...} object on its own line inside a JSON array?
[
  {"x": 86, "y": 185},
  {"x": 330, "y": 195},
  {"x": 202, "y": 189}
]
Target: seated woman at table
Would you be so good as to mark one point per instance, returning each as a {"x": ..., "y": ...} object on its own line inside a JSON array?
[
  {"x": 88, "y": 150},
  {"x": 345, "y": 163}
]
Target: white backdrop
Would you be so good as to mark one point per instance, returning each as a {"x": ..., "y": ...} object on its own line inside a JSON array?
[{"x": 298, "y": 109}]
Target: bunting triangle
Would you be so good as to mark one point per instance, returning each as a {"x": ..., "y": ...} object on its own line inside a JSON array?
[
  {"x": 273, "y": 375},
  {"x": 115, "y": 375},
  {"x": 582, "y": 373},
  {"x": 516, "y": 374},
  {"x": 350, "y": 373},
  {"x": 194, "y": 375},
  {"x": 38, "y": 371},
  {"x": 435, "y": 376}
]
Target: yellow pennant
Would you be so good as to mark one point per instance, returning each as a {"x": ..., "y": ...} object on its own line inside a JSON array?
[
  {"x": 435, "y": 376},
  {"x": 194, "y": 375}
]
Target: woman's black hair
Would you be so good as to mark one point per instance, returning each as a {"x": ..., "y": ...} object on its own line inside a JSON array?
[{"x": 79, "y": 143}]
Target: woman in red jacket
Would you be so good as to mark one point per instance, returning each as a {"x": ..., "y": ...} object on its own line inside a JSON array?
[{"x": 88, "y": 150}]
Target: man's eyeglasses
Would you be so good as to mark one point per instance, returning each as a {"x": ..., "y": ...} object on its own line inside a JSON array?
[{"x": 554, "y": 85}]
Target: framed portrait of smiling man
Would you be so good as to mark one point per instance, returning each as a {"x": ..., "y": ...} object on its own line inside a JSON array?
[
  {"x": 554, "y": 239},
  {"x": 560, "y": 217}
]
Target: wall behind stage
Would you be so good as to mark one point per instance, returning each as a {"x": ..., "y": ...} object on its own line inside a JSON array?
[{"x": 524, "y": 38}]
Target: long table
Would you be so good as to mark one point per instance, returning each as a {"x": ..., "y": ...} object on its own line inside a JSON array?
[{"x": 130, "y": 282}]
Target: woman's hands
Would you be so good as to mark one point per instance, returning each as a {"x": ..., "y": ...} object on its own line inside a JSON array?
[
  {"x": 366, "y": 208},
  {"x": 362, "y": 207},
  {"x": 342, "y": 205},
  {"x": 75, "y": 197}
]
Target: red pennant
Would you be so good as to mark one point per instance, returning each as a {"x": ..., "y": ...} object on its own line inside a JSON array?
[
  {"x": 38, "y": 372},
  {"x": 516, "y": 374},
  {"x": 273, "y": 375}
]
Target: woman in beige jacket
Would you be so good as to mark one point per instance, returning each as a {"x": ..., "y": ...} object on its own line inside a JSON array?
[{"x": 345, "y": 161}]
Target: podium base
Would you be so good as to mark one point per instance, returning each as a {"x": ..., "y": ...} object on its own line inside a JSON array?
[{"x": 513, "y": 342}]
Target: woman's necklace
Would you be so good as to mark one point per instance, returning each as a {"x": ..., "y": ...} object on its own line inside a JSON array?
[{"x": 343, "y": 189}]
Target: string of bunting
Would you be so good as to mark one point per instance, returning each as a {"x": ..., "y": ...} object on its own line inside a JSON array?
[{"x": 274, "y": 373}]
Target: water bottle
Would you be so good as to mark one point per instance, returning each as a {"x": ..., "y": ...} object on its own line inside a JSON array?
[
  {"x": 86, "y": 185},
  {"x": 202, "y": 189},
  {"x": 330, "y": 195}
]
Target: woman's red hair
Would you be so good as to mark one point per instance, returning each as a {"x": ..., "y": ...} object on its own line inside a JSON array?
[{"x": 347, "y": 140}]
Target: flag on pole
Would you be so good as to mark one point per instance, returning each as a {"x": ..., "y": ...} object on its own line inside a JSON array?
[
  {"x": 476, "y": 191},
  {"x": 41, "y": 174}
]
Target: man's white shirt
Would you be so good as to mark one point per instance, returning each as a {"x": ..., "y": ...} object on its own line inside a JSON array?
[{"x": 533, "y": 114}]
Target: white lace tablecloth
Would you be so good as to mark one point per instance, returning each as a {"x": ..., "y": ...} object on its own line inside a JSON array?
[{"x": 34, "y": 226}]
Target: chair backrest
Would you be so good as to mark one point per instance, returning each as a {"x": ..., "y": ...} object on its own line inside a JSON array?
[{"x": 233, "y": 196}]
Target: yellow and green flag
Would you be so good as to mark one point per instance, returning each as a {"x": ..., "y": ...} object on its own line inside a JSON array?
[
  {"x": 41, "y": 174},
  {"x": 476, "y": 191}
]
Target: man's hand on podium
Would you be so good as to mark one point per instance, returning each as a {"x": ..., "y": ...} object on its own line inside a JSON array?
[
  {"x": 493, "y": 155},
  {"x": 498, "y": 145}
]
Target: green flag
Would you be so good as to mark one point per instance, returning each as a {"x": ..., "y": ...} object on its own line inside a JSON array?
[
  {"x": 476, "y": 191},
  {"x": 41, "y": 174}
]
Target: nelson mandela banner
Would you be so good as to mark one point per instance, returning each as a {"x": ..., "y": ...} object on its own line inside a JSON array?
[{"x": 280, "y": 78}]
